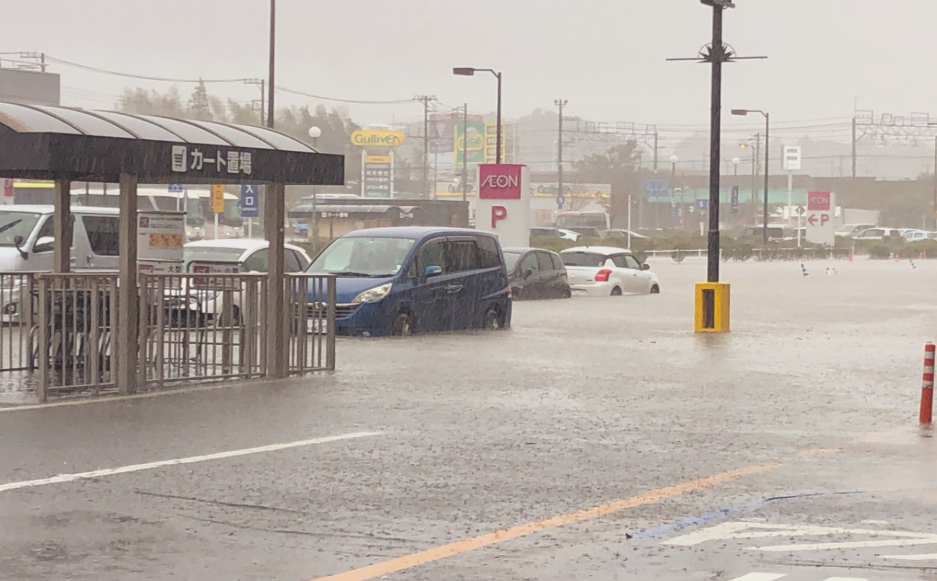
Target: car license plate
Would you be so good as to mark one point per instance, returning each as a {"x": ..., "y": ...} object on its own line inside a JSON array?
[
  {"x": 579, "y": 293},
  {"x": 318, "y": 326}
]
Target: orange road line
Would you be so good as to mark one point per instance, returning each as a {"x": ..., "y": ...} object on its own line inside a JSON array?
[{"x": 500, "y": 536}]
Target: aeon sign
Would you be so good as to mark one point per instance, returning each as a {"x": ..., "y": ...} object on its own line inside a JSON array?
[{"x": 500, "y": 182}]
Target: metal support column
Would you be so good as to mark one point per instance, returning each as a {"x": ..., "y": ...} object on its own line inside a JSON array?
[
  {"x": 62, "y": 227},
  {"x": 274, "y": 219},
  {"x": 128, "y": 303}
]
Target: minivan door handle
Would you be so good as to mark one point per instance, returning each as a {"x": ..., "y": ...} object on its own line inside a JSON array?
[{"x": 453, "y": 288}]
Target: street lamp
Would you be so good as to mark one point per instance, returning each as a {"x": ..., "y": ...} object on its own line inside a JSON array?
[
  {"x": 271, "y": 81},
  {"x": 470, "y": 72},
  {"x": 743, "y": 113},
  {"x": 315, "y": 133}
]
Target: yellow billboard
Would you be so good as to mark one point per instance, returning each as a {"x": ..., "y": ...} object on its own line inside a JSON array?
[{"x": 377, "y": 138}]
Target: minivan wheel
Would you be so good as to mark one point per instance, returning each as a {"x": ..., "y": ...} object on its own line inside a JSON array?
[
  {"x": 403, "y": 325},
  {"x": 493, "y": 320},
  {"x": 655, "y": 290},
  {"x": 616, "y": 292}
]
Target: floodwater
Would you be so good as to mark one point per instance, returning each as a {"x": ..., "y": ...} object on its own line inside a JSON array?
[{"x": 608, "y": 439}]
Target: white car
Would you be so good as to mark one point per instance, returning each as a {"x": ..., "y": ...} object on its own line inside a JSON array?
[
  {"x": 607, "y": 271},
  {"x": 911, "y": 235},
  {"x": 239, "y": 255},
  {"x": 878, "y": 234}
]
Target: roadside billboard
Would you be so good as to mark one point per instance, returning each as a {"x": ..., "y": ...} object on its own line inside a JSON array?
[{"x": 476, "y": 143}]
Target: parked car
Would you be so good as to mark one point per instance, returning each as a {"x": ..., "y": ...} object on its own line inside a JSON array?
[
  {"x": 554, "y": 233},
  {"x": 536, "y": 274},
  {"x": 878, "y": 234},
  {"x": 586, "y": 231},
  {"x": 242, "y": 255},
  {"x": 850, "y": 230},
  {"x": 27, "y": 245},
  {"x": 399, "y": 281},
  {"x": 616, "y": 233},
  {"x": 912, "y": 235},
  {"x": 775, "y": 232},
  {"x": 606, "y": 271}
]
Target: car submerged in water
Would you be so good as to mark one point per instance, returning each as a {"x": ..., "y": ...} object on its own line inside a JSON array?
[{"x": 405, "y": 280}]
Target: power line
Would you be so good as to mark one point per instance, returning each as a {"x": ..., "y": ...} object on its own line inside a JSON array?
[{"x": 340, "y": 100}]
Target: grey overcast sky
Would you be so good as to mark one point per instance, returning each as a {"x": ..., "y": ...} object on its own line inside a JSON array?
[{"x": 607, "y": 57}]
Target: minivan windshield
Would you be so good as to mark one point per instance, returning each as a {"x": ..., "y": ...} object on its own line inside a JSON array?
[
  {"x": 13, "y": 224},
  {"x": 363, "y": 256}
]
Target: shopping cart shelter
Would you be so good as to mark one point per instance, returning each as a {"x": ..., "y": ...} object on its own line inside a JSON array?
[{"x": 65, "y": 145}]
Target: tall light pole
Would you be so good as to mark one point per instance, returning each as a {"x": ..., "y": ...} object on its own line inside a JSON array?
[
  {"x": 673, "y": 191},
  {"x": 271, "y": 80},
  {"x": 314, "y": 133},
  {"x": 743, "y": 113},
  {"x": 560, "y": 196},
  {"x": 470, "y": 72}
]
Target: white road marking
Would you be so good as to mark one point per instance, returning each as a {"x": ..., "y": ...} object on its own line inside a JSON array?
[
  {"x": 63, "y": 478},
  {"x": 931, "y": 540},
  {"x": 760, "y": 577},
  {"x": 924, "y": 557},
  {"x": 776, "y": 576}
]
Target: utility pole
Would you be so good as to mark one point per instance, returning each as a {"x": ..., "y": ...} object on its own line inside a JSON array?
[
  {"x": 655, "y": 151},
  {"x": 935, "y": 183},
  {"x": 756, "y": 162},
  {"x": 425, "y": 99},
  {"x": 560, "y": 197},
  {"x": 271, "y": 81},
  {"x": 464, "y": 151},
  {"x": 854, "y": 148}
]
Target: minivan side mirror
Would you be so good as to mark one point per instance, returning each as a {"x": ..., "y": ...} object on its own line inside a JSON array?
[
  {"x": 44, "y": 244},
  {"x": 645, "y": 266},
  {"x": 432, "y": 271},
  {"x": 528, "y": 273}
]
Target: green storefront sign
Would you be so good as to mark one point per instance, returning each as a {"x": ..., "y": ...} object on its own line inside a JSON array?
[{"x": 476, "y": 143}]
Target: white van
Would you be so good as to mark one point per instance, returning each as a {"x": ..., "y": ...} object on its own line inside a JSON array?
[{"x": 27, "y": 238}]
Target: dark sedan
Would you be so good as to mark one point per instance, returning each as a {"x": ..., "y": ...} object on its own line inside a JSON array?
[{"x": 534, "y": 273}]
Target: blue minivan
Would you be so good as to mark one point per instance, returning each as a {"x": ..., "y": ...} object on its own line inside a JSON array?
[{"x": 399, "y": 281}]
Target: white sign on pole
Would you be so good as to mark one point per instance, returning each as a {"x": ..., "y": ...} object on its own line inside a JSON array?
[
  {"x": 503, "y": 206},
  {"x": 792, "y": 158},
  {"x": 820, "y": 225}
]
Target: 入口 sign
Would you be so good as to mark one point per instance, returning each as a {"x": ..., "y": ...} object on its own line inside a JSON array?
[{"x": 377, "y": 138}]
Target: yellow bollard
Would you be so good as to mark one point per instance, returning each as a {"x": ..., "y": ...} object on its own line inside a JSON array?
[{"x": 712, "y": 307}]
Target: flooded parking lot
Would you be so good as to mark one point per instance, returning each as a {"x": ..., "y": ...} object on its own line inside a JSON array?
[{"x": 596, "y": 435}]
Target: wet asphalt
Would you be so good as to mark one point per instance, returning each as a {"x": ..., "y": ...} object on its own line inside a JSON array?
[{"x": 810, "y": 405}]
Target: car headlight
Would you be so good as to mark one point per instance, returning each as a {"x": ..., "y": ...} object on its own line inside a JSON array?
[{"x": 373, "y": 295}]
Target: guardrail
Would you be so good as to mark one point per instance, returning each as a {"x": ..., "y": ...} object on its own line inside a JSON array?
[{"x": 59, "y": 329}]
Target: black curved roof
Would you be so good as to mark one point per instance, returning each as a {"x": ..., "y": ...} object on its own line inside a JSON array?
[{"x": 42, "y": 142}]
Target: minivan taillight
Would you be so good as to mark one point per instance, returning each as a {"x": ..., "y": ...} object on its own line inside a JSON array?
[{"x": 602, "y": 275}]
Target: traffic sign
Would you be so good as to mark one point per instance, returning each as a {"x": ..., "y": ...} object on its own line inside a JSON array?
[
  {"x": 560, "y": 200},
  {"x": 702, "y": 204},
  {"x": 175, "y": 188},
  {"x": 250, "y": 207},
  {"x": 217, "y": 199},
  {"x": 656, "y": 189},
  {"x": 792, "y": 157},
  {"x": 800, "y": 210}
]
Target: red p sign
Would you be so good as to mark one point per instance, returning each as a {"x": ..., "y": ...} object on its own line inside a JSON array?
[{"x": 498, "y": 213}]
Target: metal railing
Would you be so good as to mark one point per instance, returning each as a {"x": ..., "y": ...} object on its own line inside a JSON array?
[
  {"x": 311, "y": 304},
  {"x": 200, "y": 326},
  {"x": 73, "y": 338},
  {"x": 58, "y": 332}
]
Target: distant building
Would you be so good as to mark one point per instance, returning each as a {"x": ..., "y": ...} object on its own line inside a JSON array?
[{"x": 29, "y": 87}]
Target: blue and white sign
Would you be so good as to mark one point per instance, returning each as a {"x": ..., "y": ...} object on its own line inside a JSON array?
[
  {"x": 560, "y": 200},
  {"x": 702, "y": 204},
  {"x": 734, "y": 200},
  {"x": 250, "y": 203},
  {"x": 175, "y": 188},
  {"x": 656, "y": 189}
]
